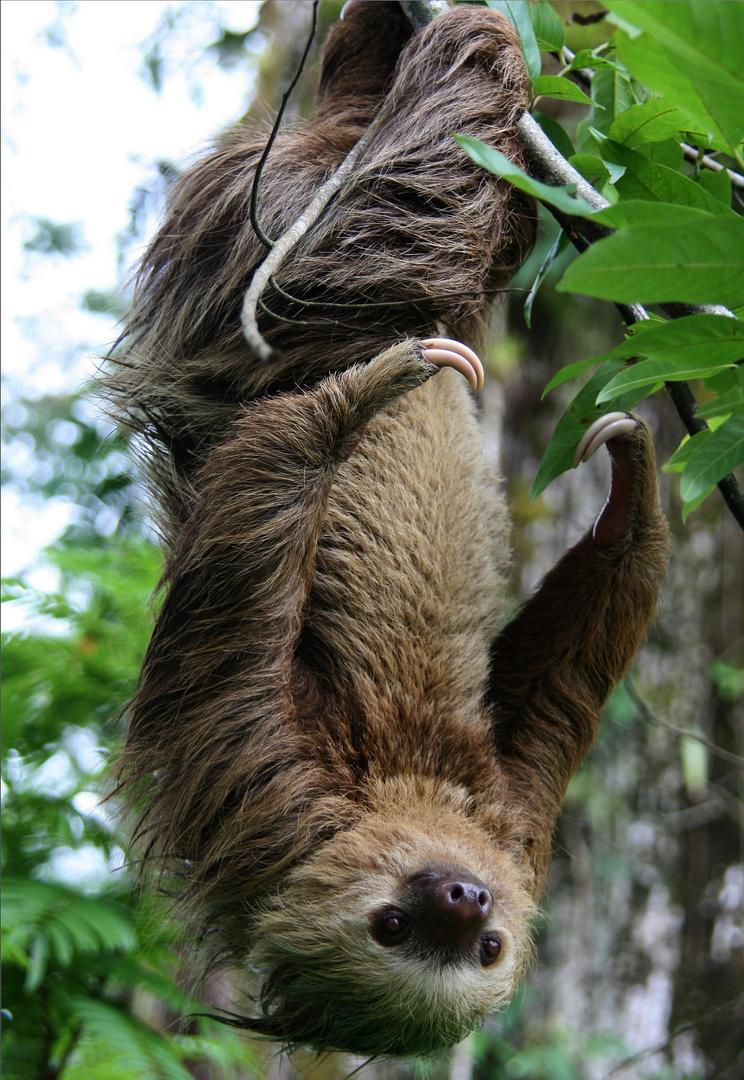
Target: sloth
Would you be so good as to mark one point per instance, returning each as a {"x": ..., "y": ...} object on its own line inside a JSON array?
[{"x": 344, "y": 765}]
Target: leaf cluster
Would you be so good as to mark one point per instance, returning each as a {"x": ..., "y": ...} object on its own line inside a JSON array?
[
  {"x": 660, "y": 142},
  {"x": 91, "y": 977}
]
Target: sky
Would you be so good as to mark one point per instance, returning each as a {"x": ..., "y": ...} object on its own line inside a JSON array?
[{"x": 81, "y": 128}]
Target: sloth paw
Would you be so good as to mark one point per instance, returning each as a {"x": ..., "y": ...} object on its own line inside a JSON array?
[
  {"x": 601, "y": 431},
  {"x": 444, "y": 352},
  {"x": 633, "y": 497}
]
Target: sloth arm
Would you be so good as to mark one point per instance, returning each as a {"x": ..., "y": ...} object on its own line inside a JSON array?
[{"x": 554, "y": 665}]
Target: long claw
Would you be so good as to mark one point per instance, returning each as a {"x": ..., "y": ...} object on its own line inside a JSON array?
[
  {"x": 601, "y": 431},
  {"x": 445, "y": 352}
]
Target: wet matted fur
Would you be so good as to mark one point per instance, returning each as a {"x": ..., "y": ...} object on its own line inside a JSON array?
[{"x": 327, "y": 744}]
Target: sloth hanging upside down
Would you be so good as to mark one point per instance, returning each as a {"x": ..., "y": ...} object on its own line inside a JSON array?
[{"x": 349, "y": 777}]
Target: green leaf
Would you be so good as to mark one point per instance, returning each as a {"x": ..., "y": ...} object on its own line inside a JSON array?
[
  {"x": 719, "y": 455},
  {"x": 497, "y": 163},
  {"x": 587, "y": 58},
  {"x": 652, "y": 121},
  {"x": 701, "y": 263},
  {"x": 730, "y": 401},
  {"x": 578, "y": 416},
  {"x": 557, "y": 134},
  {"x": 516, "y": 11},
  {"x": 717, "y": 184},
  {"x": 133, "y": 1046},
  {"x": 692, "y": 504},
  {"x": 650, "y": 372},
  {"x": 692, "y": 53},
  {"x": 547, "y": 26},
  {"x": 692, "y": 339},
  {"x": 668, "y": 152},
  {"x": 593, "y": 168},
  {"x": 612, "y": 93},
  {"x": 560, "y": 245},
  {"x": 646, "y": 179},
  {"x": 681, "y": 455},
  {"x": 570, "y": 371},
  {"x": 642, "y": 212},
  {"x": 555, "y": 86}
]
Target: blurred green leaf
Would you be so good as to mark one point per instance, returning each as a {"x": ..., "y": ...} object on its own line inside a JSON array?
[
  {"x": 713, "y": 459},
  {"x": 547, "y": 26}
]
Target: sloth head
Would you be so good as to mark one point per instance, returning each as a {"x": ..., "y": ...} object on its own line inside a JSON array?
[{"x": 391, "y": 940}]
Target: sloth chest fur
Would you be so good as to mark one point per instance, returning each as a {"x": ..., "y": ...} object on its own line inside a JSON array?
[{"x": 411, "y": 554}]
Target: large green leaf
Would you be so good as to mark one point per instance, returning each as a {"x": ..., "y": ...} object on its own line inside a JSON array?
[
  {"x": 686, "y": 348},
  {"x": 691, "y": 51},
  {"x": 647, "y": 179},
  {"x": 651, "y": 121},
  {"x": 716, "y": 457},
  {"x": 497, "y": 163},
  {"x": 642, "y": 212},
  {"x": 699, "y": 263}
]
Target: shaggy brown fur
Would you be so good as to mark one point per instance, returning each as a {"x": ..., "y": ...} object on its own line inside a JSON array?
[{"x": 354, "y": 783}]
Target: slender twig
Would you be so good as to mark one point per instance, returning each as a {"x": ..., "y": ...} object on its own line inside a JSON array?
[
  {"x": 650, "y": 716},
  {"x": 693, "y": 155},
  {"x": 266, "y": 240},
  {"x": 290, "y": 238},
  {"x": 693, "y": 1025}
]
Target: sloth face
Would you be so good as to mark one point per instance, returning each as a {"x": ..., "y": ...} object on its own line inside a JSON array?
[{"x": 380, "y": 945}]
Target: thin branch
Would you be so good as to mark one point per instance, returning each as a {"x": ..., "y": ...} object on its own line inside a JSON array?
[
  {"x": 650, "y": 716},
  {"x": 266, "y": 240},
  {"x": 693, "y": 155},
  {"x": 290, "y": 238},
  {"x": 693, "y": 1025}
]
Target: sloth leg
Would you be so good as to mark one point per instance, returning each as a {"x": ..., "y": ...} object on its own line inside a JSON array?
[{"x": 554, "y": 665}]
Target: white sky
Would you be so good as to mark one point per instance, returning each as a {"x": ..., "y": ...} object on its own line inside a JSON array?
[{"x": 81, "y": 130}]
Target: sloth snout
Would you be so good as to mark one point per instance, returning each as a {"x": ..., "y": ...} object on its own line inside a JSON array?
[{"x": 464, "y": 902}]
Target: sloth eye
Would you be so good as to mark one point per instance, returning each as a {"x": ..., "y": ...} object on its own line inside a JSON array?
[
  {"x": 490, "y": 947},
  {"x": 391, "y": 928}
]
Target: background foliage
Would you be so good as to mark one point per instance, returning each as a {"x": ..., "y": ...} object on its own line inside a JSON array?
[{"x": 642, "y": 948}]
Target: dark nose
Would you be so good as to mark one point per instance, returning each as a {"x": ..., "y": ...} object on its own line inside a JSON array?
[
  {"x": 453, "y": 905},
  {"x": 464, "y": 902}
]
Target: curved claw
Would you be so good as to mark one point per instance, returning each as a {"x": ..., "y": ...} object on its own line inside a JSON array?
[
  {"x": 444, "y": 352},
  {"x": 601, "y": 431}
]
